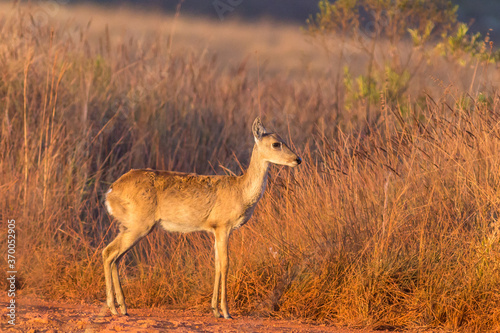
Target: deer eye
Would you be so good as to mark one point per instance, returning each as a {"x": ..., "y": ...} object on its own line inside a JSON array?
[{"x": 276, "y": 145}]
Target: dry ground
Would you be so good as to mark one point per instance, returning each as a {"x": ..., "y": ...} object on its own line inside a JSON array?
[{"x": 36, "y": 315}]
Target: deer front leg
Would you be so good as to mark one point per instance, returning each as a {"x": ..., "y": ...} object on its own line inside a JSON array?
[
  {"x": 221, "y": 269},
  {"x": 215, "y": 296}
]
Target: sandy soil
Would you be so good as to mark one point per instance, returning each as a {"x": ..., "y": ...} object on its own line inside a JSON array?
[{"x": 35, "y": 315}]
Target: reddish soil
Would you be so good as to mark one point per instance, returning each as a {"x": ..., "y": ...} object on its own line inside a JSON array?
[{"x": 35, "y": 315}]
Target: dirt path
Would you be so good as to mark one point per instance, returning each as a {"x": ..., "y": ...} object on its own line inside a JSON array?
[{"x": 35, "y": 315}]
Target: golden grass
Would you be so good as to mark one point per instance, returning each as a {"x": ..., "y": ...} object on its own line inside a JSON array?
[{"x": 390, "y": 222}]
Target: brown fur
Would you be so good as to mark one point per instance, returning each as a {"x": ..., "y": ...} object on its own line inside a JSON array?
[{"x": 183, "y": 202}]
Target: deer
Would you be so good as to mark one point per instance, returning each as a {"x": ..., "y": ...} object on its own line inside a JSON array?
[{"x": 186, "y": 202}]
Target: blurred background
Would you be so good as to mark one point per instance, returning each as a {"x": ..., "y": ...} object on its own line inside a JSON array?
[{"x": 481, "y": 14}]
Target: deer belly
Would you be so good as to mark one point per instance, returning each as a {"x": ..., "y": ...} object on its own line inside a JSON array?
[
  {"x": 180, "y": 227},
  {"x": 180, "y": 217}
]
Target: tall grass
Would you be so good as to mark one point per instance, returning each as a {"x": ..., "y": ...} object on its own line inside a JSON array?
[{"x": 391, "y": 222}]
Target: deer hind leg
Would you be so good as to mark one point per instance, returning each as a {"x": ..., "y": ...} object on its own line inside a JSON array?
[
  {"x": 122, "y": 243},
  {"x": 109, "y": 255}
]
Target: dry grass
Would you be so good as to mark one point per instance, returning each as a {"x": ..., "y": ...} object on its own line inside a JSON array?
[{"x": 390, "y": 222}]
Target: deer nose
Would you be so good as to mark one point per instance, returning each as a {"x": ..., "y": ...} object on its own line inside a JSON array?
[{"x": 299, "y": 160}]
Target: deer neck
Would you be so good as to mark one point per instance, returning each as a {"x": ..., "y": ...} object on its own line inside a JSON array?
[{"x": 255, "y": 178}]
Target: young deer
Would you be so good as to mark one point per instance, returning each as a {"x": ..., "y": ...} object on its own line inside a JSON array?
[{"x": 183, "y": 202}]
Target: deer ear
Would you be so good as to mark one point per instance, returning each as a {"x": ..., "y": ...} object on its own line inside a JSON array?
[{"x": 258, "y": 129}]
